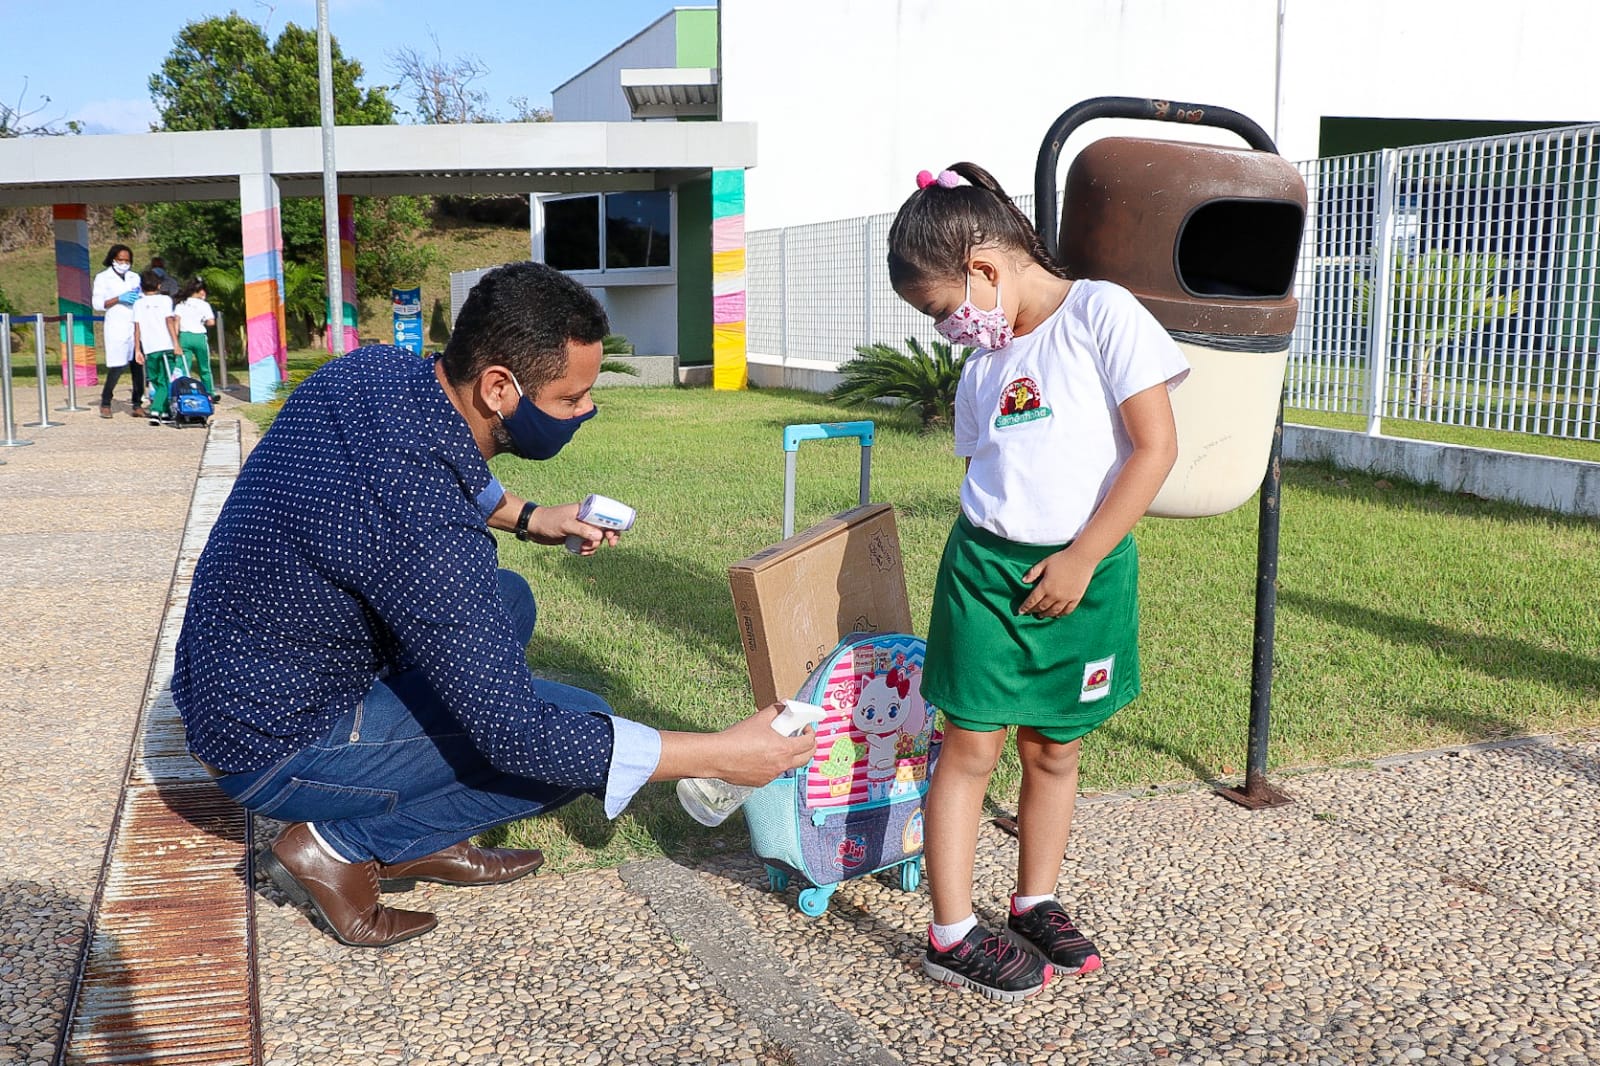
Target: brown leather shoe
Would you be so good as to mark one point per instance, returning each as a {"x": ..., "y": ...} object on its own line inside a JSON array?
[
  {"x": 462, "y": 864},
  {"x": 105, "y": 412},
  {"x": 343, "y": 894}
]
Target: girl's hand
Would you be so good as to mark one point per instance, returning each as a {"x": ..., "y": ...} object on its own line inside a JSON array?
[{"x": 1058, "y": 582}]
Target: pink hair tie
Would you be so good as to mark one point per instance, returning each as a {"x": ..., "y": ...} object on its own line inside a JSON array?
[{"x": 948, "y": 179}]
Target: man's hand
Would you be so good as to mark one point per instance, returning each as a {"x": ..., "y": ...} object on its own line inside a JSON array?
[
  {"x": 1058, "y": 582},
  {"x": 552, "y": 525},
  {"x": 746, "y": 753}
]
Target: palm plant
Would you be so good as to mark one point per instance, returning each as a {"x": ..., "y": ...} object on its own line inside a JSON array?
[
  {"x": 617, "y": 344},
  {"x": 225, "y": 294},
  {"x": 305, "y": 304},
  {"x": 1439, "y": 297},
  {"x": 924, "y": 380}
]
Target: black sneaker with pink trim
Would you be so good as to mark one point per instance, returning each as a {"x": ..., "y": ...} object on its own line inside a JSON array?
[
  {"x": 1048, "y": 928},
  {"x": 988, "y": 964}
]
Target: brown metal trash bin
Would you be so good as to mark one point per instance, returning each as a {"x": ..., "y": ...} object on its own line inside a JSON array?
[{"x": 1207, "y": 238}]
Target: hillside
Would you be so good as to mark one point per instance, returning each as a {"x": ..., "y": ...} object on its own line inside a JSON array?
[{"x": 28, "y": 275}]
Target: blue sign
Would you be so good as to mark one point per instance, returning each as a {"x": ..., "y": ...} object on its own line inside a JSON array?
[{"x": 407, "y": 318}]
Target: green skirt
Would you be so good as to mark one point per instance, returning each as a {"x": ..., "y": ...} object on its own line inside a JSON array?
[{"x": 988, "y": 667}]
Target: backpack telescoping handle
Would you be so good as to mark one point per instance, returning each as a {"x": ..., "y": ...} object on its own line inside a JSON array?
[{"x": 793, "y": 435}]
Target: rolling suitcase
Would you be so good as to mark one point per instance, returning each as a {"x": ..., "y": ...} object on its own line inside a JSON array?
[{"x": 856, "y": 808}]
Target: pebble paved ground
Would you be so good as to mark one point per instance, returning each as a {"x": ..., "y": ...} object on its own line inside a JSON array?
[
  {"x": 1440, "y": 908},
  {"x": 91, "y": 515}
]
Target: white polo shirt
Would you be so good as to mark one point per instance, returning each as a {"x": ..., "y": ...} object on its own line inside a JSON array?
[{"x": 1040, "y": 420}]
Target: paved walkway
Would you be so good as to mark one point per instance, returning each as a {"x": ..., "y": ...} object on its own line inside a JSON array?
[{"x": 1441, "y": 907}]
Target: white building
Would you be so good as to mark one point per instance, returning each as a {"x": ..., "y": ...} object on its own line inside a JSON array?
[{"x": 853, "y": 97}]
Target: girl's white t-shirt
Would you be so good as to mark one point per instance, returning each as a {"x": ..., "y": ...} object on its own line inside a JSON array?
[
  {"x": 193, "y": 314},
  {"x": 1040, "y": 420}
]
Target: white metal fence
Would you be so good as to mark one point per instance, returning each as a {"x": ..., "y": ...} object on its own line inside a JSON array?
[{"x": 1490, "y": 317}]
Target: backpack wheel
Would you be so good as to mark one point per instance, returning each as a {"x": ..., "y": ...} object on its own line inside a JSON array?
[{"x": 813, "y": 901}]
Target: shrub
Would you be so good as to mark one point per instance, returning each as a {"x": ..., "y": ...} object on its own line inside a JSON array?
[
  {"x": 925, "y": 380},
  {"x": 438, "y": 323}
]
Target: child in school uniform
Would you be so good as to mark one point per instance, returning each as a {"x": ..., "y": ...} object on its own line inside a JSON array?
[
  {"x": 155, "y": 340},
  {"x": 1063, "y": 417}
]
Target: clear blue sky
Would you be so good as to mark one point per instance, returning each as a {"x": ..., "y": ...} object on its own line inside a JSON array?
[{"x": 98, "y": 70}]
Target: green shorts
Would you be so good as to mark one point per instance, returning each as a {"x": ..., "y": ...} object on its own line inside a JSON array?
[{"x": 988, "y": 667}]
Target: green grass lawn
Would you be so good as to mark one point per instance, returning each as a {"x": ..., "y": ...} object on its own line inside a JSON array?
[{"x": 1408, "y": 618}]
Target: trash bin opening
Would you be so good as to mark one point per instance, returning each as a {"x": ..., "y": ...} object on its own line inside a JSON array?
[{"x": 1245, "y": 249}]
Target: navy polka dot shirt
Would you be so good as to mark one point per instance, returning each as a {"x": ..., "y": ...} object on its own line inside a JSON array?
[{"x": 353, "y": 546}]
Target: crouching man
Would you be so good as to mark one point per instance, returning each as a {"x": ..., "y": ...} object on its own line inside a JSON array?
[{"x": 353, "y": 661}]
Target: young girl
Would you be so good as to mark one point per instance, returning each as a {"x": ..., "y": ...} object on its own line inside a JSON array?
[
  {"x": 194, "y": 318},
  {"x": 1063, "y": 417}
]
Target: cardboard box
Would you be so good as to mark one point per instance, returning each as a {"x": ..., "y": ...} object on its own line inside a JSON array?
[{"x": 795, "y": 600}]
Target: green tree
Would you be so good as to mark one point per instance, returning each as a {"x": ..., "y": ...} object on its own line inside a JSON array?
[
  {"x": 387, "y": 252},
  {"x": 925, "y": 381},
  {"x": 224, "y": 73}
]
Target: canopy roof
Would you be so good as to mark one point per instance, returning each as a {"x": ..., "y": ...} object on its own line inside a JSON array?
[{"x": 372, "y": 160}]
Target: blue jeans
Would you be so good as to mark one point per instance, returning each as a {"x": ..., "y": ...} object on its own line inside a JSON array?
[{"x": 398, "y": 777}]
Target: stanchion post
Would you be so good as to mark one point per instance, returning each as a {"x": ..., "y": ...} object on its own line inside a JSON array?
[
  {"x": 8, "y": 410},
  {"x": 44, "y": 378},
  {"x": 69, "y": 368},
  {"x": 222, "y": 354}
]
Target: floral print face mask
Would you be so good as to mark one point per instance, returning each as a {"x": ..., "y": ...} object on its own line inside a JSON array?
[{"x": 968, "y": 326}]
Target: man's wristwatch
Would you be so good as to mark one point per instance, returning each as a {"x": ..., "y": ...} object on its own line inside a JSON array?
[{"x": 521, "y": 529}]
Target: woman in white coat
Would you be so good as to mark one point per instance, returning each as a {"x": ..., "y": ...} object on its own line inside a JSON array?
[{"x": 115, "y": 290}]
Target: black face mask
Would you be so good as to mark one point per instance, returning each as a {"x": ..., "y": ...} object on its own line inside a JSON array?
[{"x": 536, "y": 435}]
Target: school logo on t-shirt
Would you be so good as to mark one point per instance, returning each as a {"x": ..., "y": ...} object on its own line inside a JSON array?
[
  {"x": 1020, "y": 402},
  {"x": 1097, "y": 679}
]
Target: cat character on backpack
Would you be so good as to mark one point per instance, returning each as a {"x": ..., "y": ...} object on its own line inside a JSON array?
[{"x": 856, "y": 808}]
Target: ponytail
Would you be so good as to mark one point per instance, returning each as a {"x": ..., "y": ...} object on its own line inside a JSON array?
[{"x": 937, "y": 228}]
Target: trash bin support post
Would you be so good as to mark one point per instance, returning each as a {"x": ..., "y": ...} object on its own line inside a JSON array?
[{"x": 1256, "y": 793}]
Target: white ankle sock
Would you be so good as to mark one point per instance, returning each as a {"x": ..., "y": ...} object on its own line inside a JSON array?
[
  {"x": 1022, "y": 903},
  {"x": 947, "y": 936},
  {"x": 327, "y": 847}
]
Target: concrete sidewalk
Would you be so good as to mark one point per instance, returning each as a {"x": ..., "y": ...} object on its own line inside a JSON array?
[{"x": 1441, "y": 907}]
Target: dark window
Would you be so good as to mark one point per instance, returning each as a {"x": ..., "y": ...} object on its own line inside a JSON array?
[
  {"x": 572, "y": 233},
  {"x": 638, "y": 229}
]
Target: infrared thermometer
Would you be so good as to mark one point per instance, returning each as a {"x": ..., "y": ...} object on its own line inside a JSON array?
[{"x": 604, "y": 512}]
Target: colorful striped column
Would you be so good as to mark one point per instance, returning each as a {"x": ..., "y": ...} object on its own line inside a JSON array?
[
  {"x": 74, "y": 286},
  {"x": 347, "y": 277},
  {"x": 266, "y": 332},
  {"x": 729, "y": 368}
]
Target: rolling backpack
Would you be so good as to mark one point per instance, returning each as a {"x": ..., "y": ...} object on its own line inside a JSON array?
[
  {"x": 856, "y": 808},
  {"x": 187, "y": 402}
]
